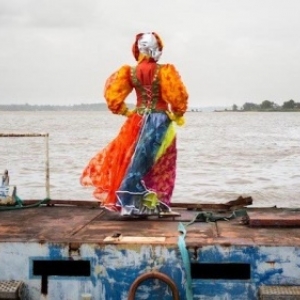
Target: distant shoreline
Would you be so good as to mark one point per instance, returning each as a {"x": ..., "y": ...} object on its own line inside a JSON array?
[
  {"x": 260, "y": 110},
  {"x": 103, "y": 107},
  {"x": 78, "y": 107}
]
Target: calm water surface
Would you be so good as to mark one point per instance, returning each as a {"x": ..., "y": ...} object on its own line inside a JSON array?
[{"x": 221, "y": 155}]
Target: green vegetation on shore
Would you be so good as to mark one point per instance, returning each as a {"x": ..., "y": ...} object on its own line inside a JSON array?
[{"x": 267, "y": 105}]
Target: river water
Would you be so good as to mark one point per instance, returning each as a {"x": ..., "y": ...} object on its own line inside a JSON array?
[{"x": 221, "y": 155}]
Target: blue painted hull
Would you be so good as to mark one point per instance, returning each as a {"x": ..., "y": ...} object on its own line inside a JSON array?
[
  {"x": 63, "y": 253},
  {"x": 115, "y": 267}
]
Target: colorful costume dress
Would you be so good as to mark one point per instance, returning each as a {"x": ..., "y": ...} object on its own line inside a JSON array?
[{"x": 135, "y": 173}]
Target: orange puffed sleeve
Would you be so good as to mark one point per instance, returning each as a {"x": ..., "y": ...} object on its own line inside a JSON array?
[
  {"x": 117, "y": 88},
  {"x": 173, "y": 90}
]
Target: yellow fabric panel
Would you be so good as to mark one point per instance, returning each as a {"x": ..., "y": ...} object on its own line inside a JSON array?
[
  {"x": 173, "y": 90},
  {"x": 117, "y": 88},
  {"x": 170, "y": 135}
]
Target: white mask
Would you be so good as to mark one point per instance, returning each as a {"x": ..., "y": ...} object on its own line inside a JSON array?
[{"x": 147, "y": 44}]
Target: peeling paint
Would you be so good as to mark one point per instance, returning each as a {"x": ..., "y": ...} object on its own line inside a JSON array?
[
  {"x": 113, "y": 269},
  {"x": 271, "y": 256}
]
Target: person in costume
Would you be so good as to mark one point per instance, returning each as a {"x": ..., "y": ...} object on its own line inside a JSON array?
[{"x": 135, "y": 173}]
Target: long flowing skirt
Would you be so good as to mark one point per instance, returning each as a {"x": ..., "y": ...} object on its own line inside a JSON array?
[{"x": 135, "y": 173}]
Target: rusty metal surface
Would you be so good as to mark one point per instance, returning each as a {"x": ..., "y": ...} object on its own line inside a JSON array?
[
  {"x": 70, "y": 202},
  {"x": 44, "y": 223},
  {"x": 230, "y": 205},
  {"x": 75, "y": 224},
  {"x": 274, "y": 218},
  {"x": 230, "y": 233}
]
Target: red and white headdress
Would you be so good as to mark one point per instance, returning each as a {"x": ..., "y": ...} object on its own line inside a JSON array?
[{"x": 148, "y": 44}]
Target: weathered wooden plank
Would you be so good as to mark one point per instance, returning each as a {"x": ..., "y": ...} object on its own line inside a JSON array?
[{"x": 274, "y": 218}]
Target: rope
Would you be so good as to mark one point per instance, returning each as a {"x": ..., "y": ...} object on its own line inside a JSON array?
[
  {"x": 19, "y": 204},
  {"x": 186, "y": 260},
  {"x": 209, "y": 216},
  {"x": 203, "y": 216}
]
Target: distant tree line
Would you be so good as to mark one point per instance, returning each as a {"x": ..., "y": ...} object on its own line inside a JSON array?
[
  {"x": 268, "y": 105},
  {"x": 78, "y": 107}
]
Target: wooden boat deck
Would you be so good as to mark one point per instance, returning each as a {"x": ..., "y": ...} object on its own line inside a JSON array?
[{"x": 89, "y": 224}]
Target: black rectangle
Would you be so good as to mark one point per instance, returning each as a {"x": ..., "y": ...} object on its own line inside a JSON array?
[
  {"x": 231, "y": 271},
  {"x": 61, "y": 267}
]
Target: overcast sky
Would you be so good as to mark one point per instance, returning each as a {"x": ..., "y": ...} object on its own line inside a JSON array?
[{"x": 227, "y": 51}]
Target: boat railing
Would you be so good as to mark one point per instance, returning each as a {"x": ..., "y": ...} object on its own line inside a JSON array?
[{"x": 47, "y": 168}]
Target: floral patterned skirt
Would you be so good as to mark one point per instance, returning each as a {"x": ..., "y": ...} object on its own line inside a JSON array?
[{"x": 135, "y": 173}]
